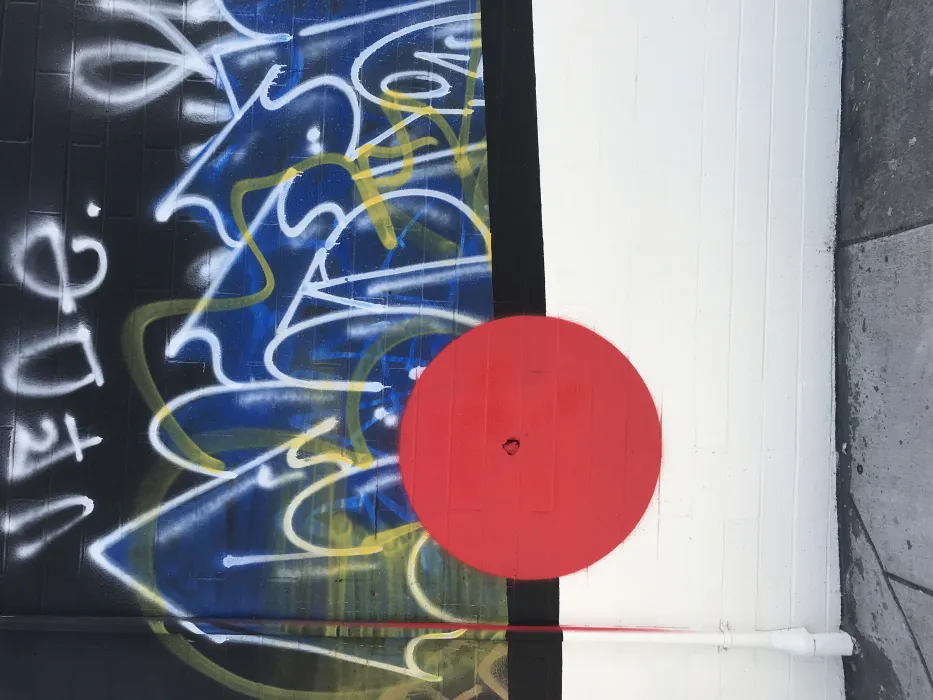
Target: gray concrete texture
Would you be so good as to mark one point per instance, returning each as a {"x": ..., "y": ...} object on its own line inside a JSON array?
[
  {"x": 885, "y": 347},
  {"x": 887, "y": 154}
]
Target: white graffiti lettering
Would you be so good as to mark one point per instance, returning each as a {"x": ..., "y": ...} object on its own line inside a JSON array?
[
  {"x": 32, "y": 451},
  {"x": 14, "y": 370},
  {"x": 16, "y": 523},
  {"x": 93, "y": 62},
  {"x": 63, "y": 290},
  {"x": 31, "y": 454},
  {"x": 358, "y": 65}
]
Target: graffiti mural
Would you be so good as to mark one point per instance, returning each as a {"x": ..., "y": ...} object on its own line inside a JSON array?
[{"x": 311, "y": 228}]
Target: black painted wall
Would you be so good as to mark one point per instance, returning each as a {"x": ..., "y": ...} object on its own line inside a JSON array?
[{"x": 66, "y": 631}]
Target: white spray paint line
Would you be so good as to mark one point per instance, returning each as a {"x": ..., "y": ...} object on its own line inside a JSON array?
[
  {"x": 453, "y": 42},
  {"x": 411, "y": 572},
  {"x": 184, "y": 334},
  {"x": 459, "y": 272},
  {"x": 97, "y": 554},
  {"x": 206, "y": 111},
  {"x": 427, "y": 157},
  {"x": 443, "y": 85},
  {"x": 25, "y": 443},
  {"x": 447, "y": 60},
  {"x": 189, "y": 59},
  {"x": 314, "y": 572},
  {"x": 417, "y": 311},
  {"x": 317, "y": 264},
  {"x": 265, "y": 478},
  {"x": 17, "y": 522},
  {"x": 322, "y": 209},
  {"x": 15, "y": 384},
  {"x": 315, "y": 287},
  {"x": 346, "y": 469},
  {"x": 64, "y": 291},
  {"x": 168, "y": 204},
  {"x": 164, "y": 536},
  {"x": 171, "y": 202},
  {"x": 391, "y": 131},
  {"x": 180, "y": 401},
  {"x": 98, "y": 547},
  {"x": 357, "y": 66},
  {"x": 367, "y": 17}
]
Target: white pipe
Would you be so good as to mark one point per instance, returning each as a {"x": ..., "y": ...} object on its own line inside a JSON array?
[{"x": 796, "y": 641}]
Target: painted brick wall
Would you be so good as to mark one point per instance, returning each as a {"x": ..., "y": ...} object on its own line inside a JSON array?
[
  {"x": 127, "y": 130},
  {"x": 688, "y": 158},
  {"x": 688, "y": 155}
]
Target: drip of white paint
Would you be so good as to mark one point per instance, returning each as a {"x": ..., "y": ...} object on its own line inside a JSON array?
[{"x": 275, "y": 397}]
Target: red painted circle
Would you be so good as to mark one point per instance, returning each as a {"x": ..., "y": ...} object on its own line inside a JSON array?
[{"x": 530, "y": 447}]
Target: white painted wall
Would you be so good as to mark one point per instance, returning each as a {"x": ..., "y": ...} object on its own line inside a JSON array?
[{"x": 688, "y": 157}]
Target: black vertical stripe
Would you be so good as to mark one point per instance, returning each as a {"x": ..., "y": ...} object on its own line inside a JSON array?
[{"x": 518, "y": 285}]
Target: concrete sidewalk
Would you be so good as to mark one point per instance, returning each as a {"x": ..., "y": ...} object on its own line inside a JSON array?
[{"x": 885, "y": 347}]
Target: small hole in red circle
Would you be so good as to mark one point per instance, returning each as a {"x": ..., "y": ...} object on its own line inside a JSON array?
[{"x": 511, "y": 446}]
